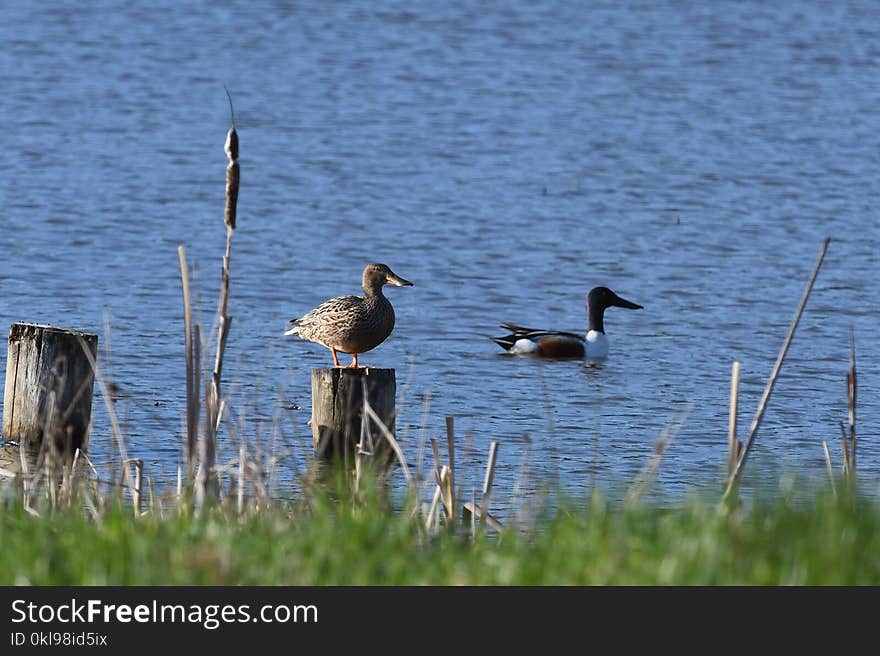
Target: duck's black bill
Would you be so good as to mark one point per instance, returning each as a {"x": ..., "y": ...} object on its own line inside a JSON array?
[{"x": 629, "y": 305}]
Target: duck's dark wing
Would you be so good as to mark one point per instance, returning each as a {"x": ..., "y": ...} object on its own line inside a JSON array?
[
  {"x": 521, "y": 332},
  {"x": 536, "y": 335}
]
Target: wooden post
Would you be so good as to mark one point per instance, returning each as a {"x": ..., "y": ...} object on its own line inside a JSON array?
[
  {"x": 49, "y": 386},
  {"x": 337, "y": 411}
]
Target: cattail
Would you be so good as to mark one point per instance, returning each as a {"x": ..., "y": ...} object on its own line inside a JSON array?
[
  {"x": 232, "y": 170},
  {"x": 207, "y": 485}
]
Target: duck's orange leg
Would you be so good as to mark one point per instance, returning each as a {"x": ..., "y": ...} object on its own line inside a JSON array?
[
  {"x": 354, "y": 362},
  {"x": 335, "y": 359}
]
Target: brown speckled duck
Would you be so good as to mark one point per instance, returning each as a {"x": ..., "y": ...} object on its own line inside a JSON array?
[{"x": 351, "y": 324}]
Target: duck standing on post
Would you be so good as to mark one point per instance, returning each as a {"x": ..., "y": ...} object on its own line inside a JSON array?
[
  {"x": 352, "y": 324},
  {"x": 557, "y": 344}
]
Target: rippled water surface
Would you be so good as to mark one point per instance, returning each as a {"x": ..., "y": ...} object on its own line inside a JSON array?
[{"x": 506, "y": 157}]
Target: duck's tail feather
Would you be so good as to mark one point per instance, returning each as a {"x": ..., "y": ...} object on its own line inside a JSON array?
[
  {"x": 505, "y": 342},
  {"x": 517, "y": 329}
]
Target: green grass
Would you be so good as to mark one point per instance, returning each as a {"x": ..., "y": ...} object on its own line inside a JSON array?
[{"x": 822, "y": 541}]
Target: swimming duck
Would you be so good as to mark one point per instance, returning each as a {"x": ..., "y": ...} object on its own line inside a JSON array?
[
  {"x": 557, "y": 344},
  {"x": 352, "y": 324}
]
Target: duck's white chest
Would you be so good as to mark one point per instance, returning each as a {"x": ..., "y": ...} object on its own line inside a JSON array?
[{"x": 597, "y": 345}]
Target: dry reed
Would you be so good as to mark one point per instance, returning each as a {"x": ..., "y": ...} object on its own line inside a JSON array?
[
  {"x": 733, "y": 444},
  {"x": 768, "y": 390}
]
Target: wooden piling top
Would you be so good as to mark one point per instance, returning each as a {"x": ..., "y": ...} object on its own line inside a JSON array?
[{"x": 21, "y": 329}]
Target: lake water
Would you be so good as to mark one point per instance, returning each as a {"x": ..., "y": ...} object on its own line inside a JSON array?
[{"x": 505, "y": 157}]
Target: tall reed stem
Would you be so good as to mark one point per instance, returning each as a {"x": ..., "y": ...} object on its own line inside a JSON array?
[
  {"x": 192, "y": 373},
  {"x": 768, "y": 390},
  {"x": 732, "y": 441},
  {"x": 207, "y": 484}
]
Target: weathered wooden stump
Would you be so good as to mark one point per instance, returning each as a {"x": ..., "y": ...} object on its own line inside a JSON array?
[
  {"x": 49, "y": 386},
  {"x": 338, "y": 411}
]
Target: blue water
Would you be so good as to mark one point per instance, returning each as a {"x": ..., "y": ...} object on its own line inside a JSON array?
[{"x": 505, "y": 157}]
